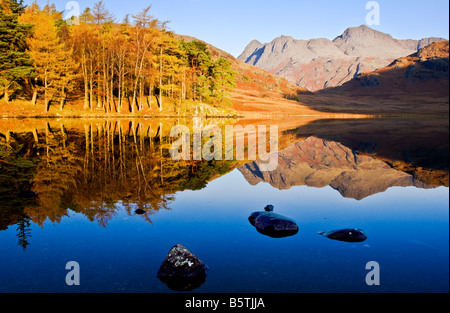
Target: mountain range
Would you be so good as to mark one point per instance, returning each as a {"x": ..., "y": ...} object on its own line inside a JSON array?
[
  {"x": 320, "y": 63},
  {"x": 315, "y": 162}
]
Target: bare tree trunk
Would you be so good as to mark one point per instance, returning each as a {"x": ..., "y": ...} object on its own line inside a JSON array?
[
  {"x": 150, "y": 91},
  {"x": 35, "y": 135},
  {"x": 63, "y": 100},
  {"x": 91, "y": 86},
  {"x": 46, "y": 101},
  {"x": 33, "y": 100},
  {"x": 141, "y": 104},
  {"x": 86, "y": 82},
  {"x": 160, "y": 79},
  {"x": 6, "y": 96},
  {"x": 119, "y": 91}
]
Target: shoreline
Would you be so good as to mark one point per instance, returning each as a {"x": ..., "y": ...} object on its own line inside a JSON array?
[{"x": 238, "y": 116}]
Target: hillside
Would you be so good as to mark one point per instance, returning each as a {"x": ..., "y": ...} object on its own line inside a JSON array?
[
  {"x": 416, "y": 84},
  {"x": 321, "y": 63},
  {"x": 259, "y": 92}
]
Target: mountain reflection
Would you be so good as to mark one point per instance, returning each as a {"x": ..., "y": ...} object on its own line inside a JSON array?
[
  {"x": 99, "y": 168},
  {"x": 417, "y": 146},
  {"x": 315, "y": 162}
]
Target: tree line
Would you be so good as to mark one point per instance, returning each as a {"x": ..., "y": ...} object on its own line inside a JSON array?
[{"x": 117, "y": 67}]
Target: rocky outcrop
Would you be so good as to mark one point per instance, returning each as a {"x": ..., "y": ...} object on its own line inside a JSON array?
[{"x": 321, "y": 63}]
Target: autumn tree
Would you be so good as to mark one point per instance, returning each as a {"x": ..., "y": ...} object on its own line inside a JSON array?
[
  {"x": 52, "y": 58},
  {"x": 85, "y": 41},
  {"x": 105, "y": 63}
]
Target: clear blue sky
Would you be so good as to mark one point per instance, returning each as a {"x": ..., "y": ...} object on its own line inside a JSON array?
[{"x": 231, "y": 24}]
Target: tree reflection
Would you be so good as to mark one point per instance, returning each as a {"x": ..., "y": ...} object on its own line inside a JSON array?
[
  {"x": 24, "y": 232},
  {"x": 96, "y": 170}
]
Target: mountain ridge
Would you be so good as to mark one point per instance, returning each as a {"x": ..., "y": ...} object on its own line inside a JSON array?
[{"x": 320, "y": 63}]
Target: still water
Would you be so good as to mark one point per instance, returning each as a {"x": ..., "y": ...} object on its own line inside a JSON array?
[{"x": 70, "y": 191}]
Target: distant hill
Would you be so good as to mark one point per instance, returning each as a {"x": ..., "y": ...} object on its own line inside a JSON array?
[
  {"x": 258, "y": 91},
  {"x": 321, "y": 63},
  {"x": 424, "y": 70},
  {"x": 415, "y": 84}
]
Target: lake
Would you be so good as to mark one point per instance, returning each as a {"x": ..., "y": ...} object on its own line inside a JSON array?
[{"x": 108, "y": 195}]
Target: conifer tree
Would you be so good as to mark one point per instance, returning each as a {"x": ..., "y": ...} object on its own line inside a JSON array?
[{"x": 15, "y": 63}]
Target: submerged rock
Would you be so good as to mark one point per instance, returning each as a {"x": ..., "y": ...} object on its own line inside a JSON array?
[
  {"x": 273, "y": 225},
  {"x": 347, "y": 235},
  {"x": 182, "y": 270}
]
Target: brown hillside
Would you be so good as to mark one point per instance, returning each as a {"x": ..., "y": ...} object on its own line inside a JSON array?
[
  {"x": 259, "y": 92},
  {"x": 416, "y": 84}
]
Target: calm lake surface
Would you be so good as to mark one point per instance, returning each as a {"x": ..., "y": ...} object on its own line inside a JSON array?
[{"x": 70, "y": 189}]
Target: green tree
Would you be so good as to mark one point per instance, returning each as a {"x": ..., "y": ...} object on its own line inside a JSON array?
[
  {"x": 223, "y": 81},
  {"x": 15, "y": 63},
  {"x": 199, "y": 60}
]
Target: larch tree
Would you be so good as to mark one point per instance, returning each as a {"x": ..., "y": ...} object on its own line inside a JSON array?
[
  {"x": 144, "y": 36},
  {"x": 105, "y": 63},
  {"x": 84, "y": 41},
  {"x": 52, "y": 59}
]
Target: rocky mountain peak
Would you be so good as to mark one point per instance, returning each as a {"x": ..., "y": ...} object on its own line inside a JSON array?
[{"x": 321, "y": 63}]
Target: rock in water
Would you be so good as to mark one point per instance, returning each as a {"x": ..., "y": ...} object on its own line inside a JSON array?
[
  {"x": 273, "y": 225},
  {"x": 139, "y": 212},
  {"x": 182, "y": 270},
  {"x": 269, "y": 208},
  {"x": 347, "y": 235}
]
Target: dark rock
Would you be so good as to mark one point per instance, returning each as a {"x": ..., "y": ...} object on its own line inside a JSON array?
[
  {"x": 182, "y": 270},
  {"x": 140, "y": 212},
  {"x": 273, "y": 225},
  {"x": 269, "y": 208},
  {"x": 347, "y": 235}
]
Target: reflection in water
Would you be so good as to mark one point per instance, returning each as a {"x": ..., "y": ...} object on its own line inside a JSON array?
[
  {"x": 417, "y": 146},
  {"x": 118, "y": 173},
  {"x": 96, "y": 171},
  {"x": 318, "y": 163},
  {"x": 97, "y": 168}
]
